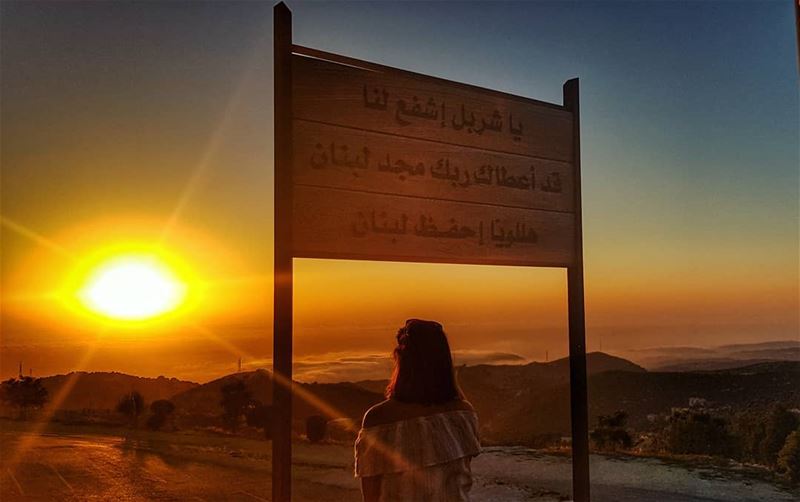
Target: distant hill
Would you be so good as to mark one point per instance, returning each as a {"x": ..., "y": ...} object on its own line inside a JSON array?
[
  {"x": 335, "y": 400},
  {"x": 500, "y": 394},
  {"x": 545, "y": 409},
  {"x": 102, "y": 390},
  {"x": 714, "y": 364},
  {"x": 657, "y": 392},
  {"x": 350, "y": 400},
  {"x": 715, "y": 358},
  {"x": 510, "y": 399},
  {"x": 516, "y": 403},
  {"x": 520, "y": 403}
]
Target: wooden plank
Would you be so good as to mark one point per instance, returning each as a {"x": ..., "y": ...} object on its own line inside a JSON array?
[
  {"x": 370, "y": 65},
  {"x": 333, "y": 223},
  {"x": 338, "y": 157},
  {"x": 579, "y": 395},
  {"x": 282, "y": 289},
  {"x": 418, "y": 107}
]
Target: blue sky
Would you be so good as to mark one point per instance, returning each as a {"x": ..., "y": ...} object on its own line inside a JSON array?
[{"x": 689, "y": 154}]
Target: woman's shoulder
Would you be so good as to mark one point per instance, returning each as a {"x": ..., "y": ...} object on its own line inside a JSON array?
[
  {"x": 391, "y": 410},
  {"x": 377, "y": 414}
]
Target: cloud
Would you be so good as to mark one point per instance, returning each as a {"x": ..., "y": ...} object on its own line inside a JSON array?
[
  {"x": 473, "y": 357},
  {"x": 345, "y": 366}
]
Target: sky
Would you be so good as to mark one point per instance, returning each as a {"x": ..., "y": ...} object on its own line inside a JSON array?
[{"x": 152, "y": 122}]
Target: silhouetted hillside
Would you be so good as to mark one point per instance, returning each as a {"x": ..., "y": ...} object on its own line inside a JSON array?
[
  {"x": 516, "y": 403},
  {"x": 509, "y": 399},
  {"x": 102, "y": 390},
  {"x": 500, "y": 393},
  {"x": 334, "y": 400},
  {"x": 658, "y": 392},
  {"x": 545, "y": 410},
  {"x": 714, "y": 358}
]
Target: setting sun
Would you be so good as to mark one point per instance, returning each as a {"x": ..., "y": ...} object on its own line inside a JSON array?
[
  {"x": 132, "y": 287},
  {"x": 131, "y": 284}
]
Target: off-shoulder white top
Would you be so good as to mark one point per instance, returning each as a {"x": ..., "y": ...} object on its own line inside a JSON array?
[{"x": 424, "y": 458}]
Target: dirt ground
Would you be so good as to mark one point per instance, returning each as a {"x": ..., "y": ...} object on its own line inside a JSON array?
[{"x": 72, "y": 463}]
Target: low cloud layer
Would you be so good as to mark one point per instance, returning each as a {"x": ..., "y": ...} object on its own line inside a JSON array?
[{"x": 339, "y": 367}]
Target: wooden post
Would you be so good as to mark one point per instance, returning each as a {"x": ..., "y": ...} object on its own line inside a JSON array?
[
  {"x": 797, "y": 27},
  {"x": 282, "y": 306},
  {"x": 577, "y": 321}
]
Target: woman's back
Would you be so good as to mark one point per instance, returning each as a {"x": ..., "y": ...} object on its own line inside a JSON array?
[
  {"x": 416, "y": 452},
  {"x": 418, "y": 444}
]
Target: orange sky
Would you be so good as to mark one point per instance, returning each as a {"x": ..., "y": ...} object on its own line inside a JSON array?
[{"x": 116, "y": 128}]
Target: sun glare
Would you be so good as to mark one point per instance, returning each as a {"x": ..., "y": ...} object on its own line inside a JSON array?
[{"x": 133, "y": 287}]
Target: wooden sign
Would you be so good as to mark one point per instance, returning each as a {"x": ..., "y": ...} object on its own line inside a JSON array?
[
  {"x": 416, "y": 106},
  {"x": 347, "y": 224},
  {"x": 377, "y": 163},
  {"x": 490, "y": 173}
]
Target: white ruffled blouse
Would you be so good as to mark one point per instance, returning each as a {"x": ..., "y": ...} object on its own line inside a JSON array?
[{"x": 423, "y": 458}]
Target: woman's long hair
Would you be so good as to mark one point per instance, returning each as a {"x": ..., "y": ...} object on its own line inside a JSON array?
[{"x": 423, "y": 366}]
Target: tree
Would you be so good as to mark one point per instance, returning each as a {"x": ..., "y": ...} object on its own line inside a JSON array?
[
  {"x": 24, "y": 393},
  {"x": 161, "y": 410},
  {"x": 132, "y": 406},
  {"x": 749, "y": 430},
  {"x": 698, "y": 433},
  {"x": 779, "y": 423},
  {"x": 259, "y": 415},
  {"x": 610, "y": 432},
  {"x": 316, "y": 426},
  {"x": 235, "y": 399},
  {"x": 789, "y": 457}
]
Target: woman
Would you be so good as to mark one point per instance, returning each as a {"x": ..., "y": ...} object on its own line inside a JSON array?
[{"x": 417, "y": 445}]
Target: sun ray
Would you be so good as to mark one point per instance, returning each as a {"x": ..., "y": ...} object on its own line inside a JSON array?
[
  {"x": 331, "y": 412},
  {"x": 221, "y": 341},
  {"x": 35, "y": 237},
  {"x": 28, "y": 441},
  {"x": 200, "y": 171}
]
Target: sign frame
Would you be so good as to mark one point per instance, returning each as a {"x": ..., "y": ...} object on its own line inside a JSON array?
[{"x": 283, "y": 52}]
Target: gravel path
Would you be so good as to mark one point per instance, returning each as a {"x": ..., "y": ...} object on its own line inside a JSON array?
[{"x": 101, "y": 467}]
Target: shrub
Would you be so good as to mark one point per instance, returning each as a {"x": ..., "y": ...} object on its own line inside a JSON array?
[
  {"x": 24, "y": 393},
  {"x": 259, "y": 415},
  {"x": 132, "y": 406},
  {"x": 777, "y": 427},
  {"x": 315, "y": 428},
  {"x": 235, "y": 398},
  {"x": 161, "y": 410},
  {"x": 789, "y": 457},
  {"x": 698, "y": 433},
  {"x": 610, "y": 432}
]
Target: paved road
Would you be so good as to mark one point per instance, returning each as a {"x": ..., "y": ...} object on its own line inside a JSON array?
[
  {"x": 621, "y": 479},
  {"x": 97, "y": 467},
  {"x": 72, "y": 468}
]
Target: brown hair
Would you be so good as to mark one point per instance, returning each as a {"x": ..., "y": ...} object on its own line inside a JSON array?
[{"x": 423, "y": 366}]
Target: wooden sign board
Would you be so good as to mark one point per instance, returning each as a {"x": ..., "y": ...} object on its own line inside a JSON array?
[
  {"x": 397, "y": 166},
  {"x": 347, "y": 224},
  {"x": 376, "y": 163}
]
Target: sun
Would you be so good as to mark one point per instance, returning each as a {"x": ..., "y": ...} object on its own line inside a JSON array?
[{"x": 132, "y": 287}]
